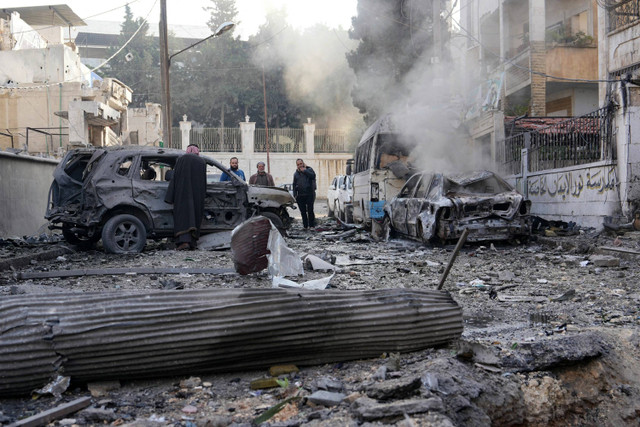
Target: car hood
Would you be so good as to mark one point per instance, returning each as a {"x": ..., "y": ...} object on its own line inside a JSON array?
[{"x": 269, "y": 197}]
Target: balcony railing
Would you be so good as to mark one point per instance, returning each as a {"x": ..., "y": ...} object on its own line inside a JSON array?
[
  {"x": 626, "y": 12},
  {"x": 576, "y": 141}
]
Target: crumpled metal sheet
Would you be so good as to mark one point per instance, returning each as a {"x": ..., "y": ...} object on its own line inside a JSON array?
[{"x": 249, "y": 242}]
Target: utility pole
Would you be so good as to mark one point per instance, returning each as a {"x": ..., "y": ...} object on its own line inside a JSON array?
[
  {"x": 437, "y": 31},
  {"x": 164, "y": 76}
]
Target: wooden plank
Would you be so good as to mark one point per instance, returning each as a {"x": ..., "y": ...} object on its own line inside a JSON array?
[{"x": 49, "y": 415}]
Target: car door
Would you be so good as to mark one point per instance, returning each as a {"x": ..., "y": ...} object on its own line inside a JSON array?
[
  {"x": 417, "y": 203},
  {"x": 226, "y": 203},
  {"x": 150, "y": 188},
  {"x": 399, "y": 204}
]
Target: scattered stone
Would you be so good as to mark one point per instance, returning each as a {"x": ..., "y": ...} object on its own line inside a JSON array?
[
  {"x": 394, "y": 389},
  {"x": 329, "y": 384},
  {"x": 191, "y": 382},
  {"x": 380, "y": 374},
  {"x": 189, "y": 409},
  {"x": 326, "y": 398},
  {"x": 604, "y": 261},
  {"x": 102, "y": 388},
  {"x": 262, "y": 383},
  {"x": 276, "y": 371}
]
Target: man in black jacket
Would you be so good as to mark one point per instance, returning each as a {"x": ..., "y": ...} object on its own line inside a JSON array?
[{"x": 304, "y": 190}]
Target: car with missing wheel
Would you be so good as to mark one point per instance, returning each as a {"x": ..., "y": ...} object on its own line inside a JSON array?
[
  {"x": 439, "y": 207},
  {"x": 116, "y": 194}
]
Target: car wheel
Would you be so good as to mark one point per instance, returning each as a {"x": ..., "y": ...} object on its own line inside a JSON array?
[
  {"x": 276, "y": 221},
  {"x": 124, "y": 234},
  {"x": 330, "y": 212},
  {"x": 82, "y": 242},
  {"x": 336, "y": 210}
]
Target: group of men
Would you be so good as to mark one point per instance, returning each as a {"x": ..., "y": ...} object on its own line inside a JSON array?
[{"x": 187, "y": 190}]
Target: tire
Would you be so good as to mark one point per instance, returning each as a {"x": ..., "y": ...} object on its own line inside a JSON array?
[
  {"x": 330, "y": 211},
  {"x": 336, "y": 210},
  {"x": 83, "y": 242},
  {"x": 124, "y": 234},
  {"x": 276, "y": 221}
]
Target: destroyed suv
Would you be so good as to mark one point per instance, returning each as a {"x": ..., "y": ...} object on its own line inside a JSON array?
[{"x": 117, "y": 194}]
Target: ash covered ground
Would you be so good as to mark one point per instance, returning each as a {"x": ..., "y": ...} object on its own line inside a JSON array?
[{"x": 550, "y": 337}]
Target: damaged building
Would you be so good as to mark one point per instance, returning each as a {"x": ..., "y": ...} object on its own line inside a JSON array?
[{"x": 554, "y": 103}]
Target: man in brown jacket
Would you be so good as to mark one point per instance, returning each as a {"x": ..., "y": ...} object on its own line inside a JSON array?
[{"x": 262, "y": 177}]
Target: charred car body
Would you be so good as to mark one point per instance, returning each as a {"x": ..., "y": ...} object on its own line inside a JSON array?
[
  {"x": 117, "y": 194},
  {"x": 435, "y": 206}
]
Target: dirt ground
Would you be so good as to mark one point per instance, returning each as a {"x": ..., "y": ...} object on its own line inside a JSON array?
[{"x": 550, "y": 337}]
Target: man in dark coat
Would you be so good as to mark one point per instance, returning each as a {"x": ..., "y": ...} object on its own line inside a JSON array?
[
  {"x": 304, "y": 190},
  {"x": 187, "y": 190}
]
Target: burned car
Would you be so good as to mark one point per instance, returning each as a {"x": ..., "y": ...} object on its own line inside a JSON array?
[
  {"x": 435, "y": 206},
  {"x": 117, "y": 194}
]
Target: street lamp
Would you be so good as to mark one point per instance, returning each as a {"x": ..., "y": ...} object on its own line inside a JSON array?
[{"x": 165, "y": 63}]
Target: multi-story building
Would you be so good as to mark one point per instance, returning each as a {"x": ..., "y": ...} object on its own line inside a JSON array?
[{"x": 557, "y": 101}]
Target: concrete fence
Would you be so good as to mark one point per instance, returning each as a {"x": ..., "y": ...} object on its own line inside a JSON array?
[{"x": 24, "y": 187}]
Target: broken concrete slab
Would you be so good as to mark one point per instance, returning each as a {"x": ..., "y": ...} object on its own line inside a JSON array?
[
  {"x": 547, "y": 353},
  {"x": 394, "y": 389},
  {"x": 326, "y": 398},
  {"x": 166, "y": 333},
  {"x": 367, "y": 409}
]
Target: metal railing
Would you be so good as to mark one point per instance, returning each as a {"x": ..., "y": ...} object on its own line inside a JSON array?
[
  {"x": 577, "y": 141},
  {"x": 280, "y": 141},
  {"x": 624, "y": 13},
  {"x": 210, "y": 139},
  {"x": 331, "y": 141}
]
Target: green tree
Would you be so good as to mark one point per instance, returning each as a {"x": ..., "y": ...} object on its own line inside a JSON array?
[
  {"x": 394, "y": 36},
  {"x": 137, "y": 64}
]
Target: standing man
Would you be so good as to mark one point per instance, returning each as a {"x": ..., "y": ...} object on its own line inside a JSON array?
[
  {"x": 233, "y": 165},
  {"x": 262, "y": 177},
  {"x": 186, "y": 191},
  {"x": 304, "y": 190}
]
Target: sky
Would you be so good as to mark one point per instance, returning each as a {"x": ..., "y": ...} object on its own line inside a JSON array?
[{"x": 251, "y": 13}]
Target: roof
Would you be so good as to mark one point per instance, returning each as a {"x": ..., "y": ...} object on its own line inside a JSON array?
[{"x": 57, "y": 15}]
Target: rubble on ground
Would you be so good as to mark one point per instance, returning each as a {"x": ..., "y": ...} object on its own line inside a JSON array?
[{"x": 550, "y": 336}]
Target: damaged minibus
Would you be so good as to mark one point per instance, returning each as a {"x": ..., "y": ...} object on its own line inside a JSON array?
[{"x": 380, "y": 168}]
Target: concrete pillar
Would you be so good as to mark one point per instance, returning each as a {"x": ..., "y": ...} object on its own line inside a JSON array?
[
  {"x": 309, "y": 130},
  {"x": 537, "y": 30},
  {"x": 78, "y": 126},
  {"x": 247, "y": 134},
  {"x": 185, "y": 130}
]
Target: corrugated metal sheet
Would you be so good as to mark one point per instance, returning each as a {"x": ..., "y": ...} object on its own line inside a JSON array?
[{"x": 100, "y": 336}]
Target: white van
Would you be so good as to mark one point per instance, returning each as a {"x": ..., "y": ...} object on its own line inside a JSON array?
[{"x": 380, "y": 168}]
